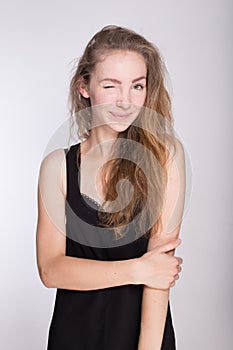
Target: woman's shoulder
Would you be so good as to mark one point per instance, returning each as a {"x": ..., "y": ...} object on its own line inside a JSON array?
[
  {"x": 53, "y": 166},
  {"x": 58, "y": 155},
  {"x": 175, "y": 150},
  {"x": 53, "y": 158}
]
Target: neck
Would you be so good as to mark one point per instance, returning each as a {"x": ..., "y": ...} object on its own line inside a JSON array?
[{"x": 100, "y": 142}]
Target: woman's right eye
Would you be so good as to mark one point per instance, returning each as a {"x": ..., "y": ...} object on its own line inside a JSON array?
[{"x": 109, "y": 86}]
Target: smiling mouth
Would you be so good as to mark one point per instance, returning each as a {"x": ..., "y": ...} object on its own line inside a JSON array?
[{"x": 120, "y": 116}]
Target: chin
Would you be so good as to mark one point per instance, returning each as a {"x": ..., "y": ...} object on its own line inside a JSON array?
[{"x": 120, "y": 127}]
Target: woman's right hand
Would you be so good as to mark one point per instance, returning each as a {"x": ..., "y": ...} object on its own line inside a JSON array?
[{"x": 157, "y": 269}]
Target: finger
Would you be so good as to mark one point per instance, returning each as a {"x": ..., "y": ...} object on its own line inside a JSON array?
[
  {"x": 179, "y": 268},
  {"x": 179, "y": 261},
  {"x": 167, "y": 247},
  {"x": 176, "y": 277}
]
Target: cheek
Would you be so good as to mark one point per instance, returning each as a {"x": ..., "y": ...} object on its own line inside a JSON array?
[
  {"x": 140, "y": 99},
  {"x": 102, "y": 98}
]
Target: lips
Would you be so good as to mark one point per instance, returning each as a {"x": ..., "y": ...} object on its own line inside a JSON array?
[{"x": 120, "y": 116}]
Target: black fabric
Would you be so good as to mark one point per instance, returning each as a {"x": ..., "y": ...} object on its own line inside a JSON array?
[{"x": 104, "y": 319}]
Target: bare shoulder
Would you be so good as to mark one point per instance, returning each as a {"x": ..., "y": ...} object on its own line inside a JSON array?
[
  {"x": 53, "y": 158},
  {"x": 179, "y": 148},
  {"x": 175, "y": 158},
  {"x": 176, "y": 152},
  {"x": 53, "y": 166}
]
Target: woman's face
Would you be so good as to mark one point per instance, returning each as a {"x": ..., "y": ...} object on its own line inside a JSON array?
[{"x": 117, "y": 89}]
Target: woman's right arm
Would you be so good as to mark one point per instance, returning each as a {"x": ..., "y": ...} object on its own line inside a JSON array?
[{"x": 154, "y": 269}]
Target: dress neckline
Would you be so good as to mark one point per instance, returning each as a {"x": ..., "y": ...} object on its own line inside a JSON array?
[
  {"x": 91, "y": 199},
  {"x": 77, "y": 166}
]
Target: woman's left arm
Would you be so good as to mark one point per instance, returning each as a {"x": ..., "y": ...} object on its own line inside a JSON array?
[{"x": 155, "y": 301}]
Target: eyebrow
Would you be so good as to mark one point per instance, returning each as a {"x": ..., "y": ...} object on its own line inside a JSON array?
[{"x": 119, "y": 82}]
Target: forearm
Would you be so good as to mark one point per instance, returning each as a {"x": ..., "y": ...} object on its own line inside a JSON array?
[
  {"x": 153, "y": 318},
  {"x": 85, "y": 274}
]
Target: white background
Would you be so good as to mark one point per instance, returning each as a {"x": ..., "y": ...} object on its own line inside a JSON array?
[{"x": 39, "y": 39}]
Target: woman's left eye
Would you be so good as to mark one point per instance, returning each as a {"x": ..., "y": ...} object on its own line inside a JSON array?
[{"x": 139, "y": 87}]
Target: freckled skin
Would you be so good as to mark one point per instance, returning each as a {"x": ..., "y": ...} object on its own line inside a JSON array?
[{"x": 118, "y": 87}]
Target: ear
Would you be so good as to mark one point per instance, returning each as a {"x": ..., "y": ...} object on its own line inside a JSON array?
[{"x": 83, "y": 89}]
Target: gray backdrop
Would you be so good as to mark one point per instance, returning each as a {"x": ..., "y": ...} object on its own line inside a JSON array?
[{"x": 39, "y": 39}]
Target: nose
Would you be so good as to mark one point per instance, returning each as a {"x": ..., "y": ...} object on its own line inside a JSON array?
[{"x": 123, "y": 99}]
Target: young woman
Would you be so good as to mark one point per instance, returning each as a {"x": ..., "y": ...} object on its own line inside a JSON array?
[{"x": 106, "y": 244}]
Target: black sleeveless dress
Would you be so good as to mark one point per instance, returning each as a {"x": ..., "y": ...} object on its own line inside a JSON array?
[{"x": 104, "y": 319}]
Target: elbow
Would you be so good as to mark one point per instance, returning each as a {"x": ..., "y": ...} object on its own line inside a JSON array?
[
  {"x": 45, "y": 277},
  {"x": 49, "y": 272}
]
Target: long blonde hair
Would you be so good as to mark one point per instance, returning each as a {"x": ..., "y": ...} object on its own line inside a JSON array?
[{"x": 147, "y": 141}]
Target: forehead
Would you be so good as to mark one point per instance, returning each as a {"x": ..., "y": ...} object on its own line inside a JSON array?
[{"x": 120, "y": 63}]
